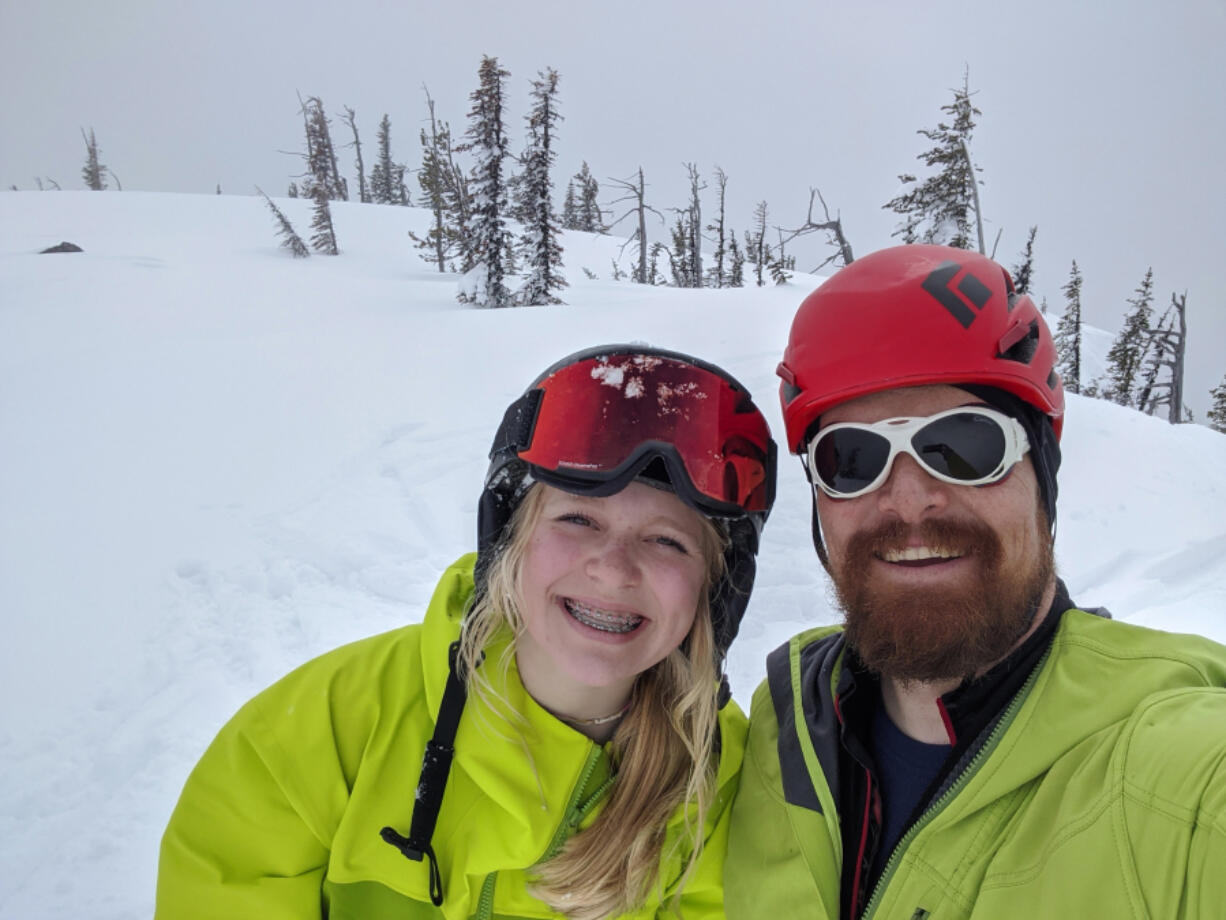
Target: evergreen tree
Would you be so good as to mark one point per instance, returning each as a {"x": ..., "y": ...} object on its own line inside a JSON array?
[
  {"x": 939, "y": 209},
  {"x": 1125, "y": 358},
  {"x": 382, "y": 173},
  {"x": 1152, "y": 359},
  {"x": 484, "y": 284},
  {"x": 539, "y": 244},
  {"x": 292, "y": 192},
  {"x": 289, "y": 236},
  {"x": 324, "y": 175},
  {"x": 590, "y": 217},
  {"x": 446, "y": 195},
  {"x": 570, "y": 210},
  {"x": 1068, "y": 334},
  {"x": 757, "y": 250},
  {"x": 1217, "y": 410},
  {"x": 679, "y": 256},
  {"x": 736, "y": 260},
  {"x": 1023, "y": 272},
  {"x": 94, "y": 173},
  {"x": 324, "y": 237}
]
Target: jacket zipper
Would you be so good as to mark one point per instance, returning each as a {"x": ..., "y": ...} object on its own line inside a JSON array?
[
  {"x": 963, "y": 778},
  {"x": 575, "y": 812}
]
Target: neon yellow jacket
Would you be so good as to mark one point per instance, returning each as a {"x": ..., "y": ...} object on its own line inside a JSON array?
[
  {"x": 282, "y": 816},
  {"x": 1101, "y": 792}
]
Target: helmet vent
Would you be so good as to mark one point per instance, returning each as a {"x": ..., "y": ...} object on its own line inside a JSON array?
[{"x": 1020, "y": 343}]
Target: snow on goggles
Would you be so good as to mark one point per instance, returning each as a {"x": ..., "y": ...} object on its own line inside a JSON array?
[
  {"x": 596, "y": 422},
  {"x": 967, "y": 446}
]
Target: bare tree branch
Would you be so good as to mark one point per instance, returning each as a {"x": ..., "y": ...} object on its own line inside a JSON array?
[{"x": 833, "y": 226}]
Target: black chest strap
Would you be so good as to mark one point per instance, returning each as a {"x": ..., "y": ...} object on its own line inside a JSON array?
[{"x": 435, "y": 768}]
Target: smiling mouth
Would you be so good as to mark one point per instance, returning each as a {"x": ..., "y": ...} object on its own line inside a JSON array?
[
  {"x": 919, "y": 555},
  {"x": 604, "y": 620}
]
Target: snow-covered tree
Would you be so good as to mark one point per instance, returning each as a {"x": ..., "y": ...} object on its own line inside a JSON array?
[
  {"x": 289, "y": 236},
  {"x": 940, "y": 209},
  {"x": 1125, "y": 358},
  {"x": 94, "y": 173},
  {"x": 539, "y": 244},
  {"x": 484, "y": 284},
  {"x": 1217, "y": 410},
  {"x": 1068, "y": 333},
  {"x": 589, "y": 216},
  {"x": 1023, "y": 272}
]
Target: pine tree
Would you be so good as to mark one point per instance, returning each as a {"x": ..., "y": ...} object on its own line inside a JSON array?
[
  {"x": 324, "y": 237},
  {"x": 289, "y": 236},
  {"x": 939, "y": 209},
  {"x": 1125, "y": 358},
  {"x": 757, "y": 250},
  {"x": 539, "y": 244},
  {"x": 679, "y": 255},
  {"x": 1217, "y": 411},
  {"x": 384, "y": 169},
  {"x": 736, "y": 259},
  {"x": 636, "y": 193},
  {"x": 590, "y": 217},
  {"x": 94, "y": 173},
  {"x": 1023, "y": 272},
  {"x": 320, "y": 154},
  {"x": 445, "y": 190},
  {"x": 570, "y": 210},
  {"x": 484, "y": 284},
  {"x": 1068, "y": 334}
]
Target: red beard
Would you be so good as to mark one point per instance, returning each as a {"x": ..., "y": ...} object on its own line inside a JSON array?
[{"x": 953, "y": 631}]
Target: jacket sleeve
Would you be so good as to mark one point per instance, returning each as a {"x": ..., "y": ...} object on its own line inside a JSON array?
[
  {"x": 250, "y": 837},
  {"x": 1172, "y": 776}
]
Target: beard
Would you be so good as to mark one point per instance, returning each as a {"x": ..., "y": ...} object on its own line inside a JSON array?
[{"x": 951, "y": 631}]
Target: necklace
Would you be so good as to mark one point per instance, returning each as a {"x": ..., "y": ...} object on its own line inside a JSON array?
[{"x": 599, "y": 720}]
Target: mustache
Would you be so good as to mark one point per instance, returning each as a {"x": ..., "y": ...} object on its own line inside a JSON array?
[{"x": 964, "y": 537}]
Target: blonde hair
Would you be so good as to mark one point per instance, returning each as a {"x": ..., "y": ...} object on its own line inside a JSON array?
[{"x": 662, "y": 752}]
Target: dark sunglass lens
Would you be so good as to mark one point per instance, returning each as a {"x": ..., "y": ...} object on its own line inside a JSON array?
[
  {"x": 849, "y": 459},
  {"x": 966, "y": 446}
]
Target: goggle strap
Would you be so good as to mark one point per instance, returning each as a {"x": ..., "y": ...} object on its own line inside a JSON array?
[{"x": 518, "y": 425}]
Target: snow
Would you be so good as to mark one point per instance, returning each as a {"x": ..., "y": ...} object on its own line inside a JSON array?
[{"x": 220, "y": 461}]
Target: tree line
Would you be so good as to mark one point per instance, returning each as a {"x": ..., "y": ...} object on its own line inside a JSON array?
[{"x": 476, "y": 188}]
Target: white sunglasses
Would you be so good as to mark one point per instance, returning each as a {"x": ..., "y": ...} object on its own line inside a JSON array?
[{"x": 966, "y": 446}]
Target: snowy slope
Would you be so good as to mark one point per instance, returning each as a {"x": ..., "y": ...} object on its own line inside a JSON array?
[{"x": 219, "y": 461}]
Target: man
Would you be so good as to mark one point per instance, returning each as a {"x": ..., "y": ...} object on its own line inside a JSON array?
[{"x": 969, "y": 743}]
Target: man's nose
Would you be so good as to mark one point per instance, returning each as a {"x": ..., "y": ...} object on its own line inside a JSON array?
[{"x": 910, "y": 493}]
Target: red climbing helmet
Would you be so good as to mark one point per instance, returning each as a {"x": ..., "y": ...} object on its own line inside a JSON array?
[{"x": 914, "y": 315}]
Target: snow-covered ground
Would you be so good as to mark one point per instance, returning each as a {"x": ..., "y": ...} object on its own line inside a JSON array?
[{"x": 217, "y": 462}]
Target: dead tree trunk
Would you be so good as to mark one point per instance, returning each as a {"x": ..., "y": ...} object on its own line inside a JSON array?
[{"x": 350, "y": 119}]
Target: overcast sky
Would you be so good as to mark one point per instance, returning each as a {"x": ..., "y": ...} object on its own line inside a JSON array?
[{"x": 1104, "y": 124}]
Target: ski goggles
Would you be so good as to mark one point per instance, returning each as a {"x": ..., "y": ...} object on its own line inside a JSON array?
[
  {"x": 967, "y": 446},
  {"x": 594, "y": 423}
]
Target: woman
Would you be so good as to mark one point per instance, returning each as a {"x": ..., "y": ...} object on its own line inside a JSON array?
[{"x": 555, "y": 739}]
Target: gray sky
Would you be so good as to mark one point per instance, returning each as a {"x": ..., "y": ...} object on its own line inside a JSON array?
[{"x": 1102, "y": 123}]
